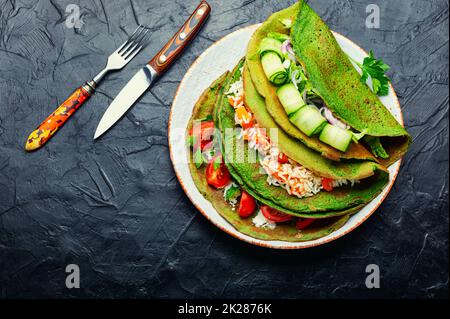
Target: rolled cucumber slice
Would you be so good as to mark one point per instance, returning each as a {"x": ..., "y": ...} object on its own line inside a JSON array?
[
  {"x": 274, "y": 69},
  {"x": 336, "y": 137},
  {"x": 290, "y": 98},
  {"x": 271, "y": 45},
  {"x": 309, "y": 120}
]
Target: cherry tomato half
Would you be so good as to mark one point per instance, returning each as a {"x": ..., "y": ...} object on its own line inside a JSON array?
[
  {"x": 247, "y": 205},
  {"x": 303, "y": 223},
  {"x": 274, "y": 215},
  {"x": 327, "y": 184},
  {"x": 282, "y": 158},
  {"x": 218, "y": 177},
  {"x": 203, "y": 133}
]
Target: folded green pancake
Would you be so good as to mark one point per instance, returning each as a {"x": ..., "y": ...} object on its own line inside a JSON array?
[
  {"x": 299, "y": 152},
  {"x": 336, "y": 81},
  {"x": 286, "y": 231},
  {"x": 248, "y": 173}
]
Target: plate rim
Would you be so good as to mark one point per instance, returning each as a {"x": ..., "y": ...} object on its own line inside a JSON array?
[{"x": 238, "y": 234}]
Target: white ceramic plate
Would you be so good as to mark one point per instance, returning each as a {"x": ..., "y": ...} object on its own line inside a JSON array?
[{"x": 220, "y": 57}]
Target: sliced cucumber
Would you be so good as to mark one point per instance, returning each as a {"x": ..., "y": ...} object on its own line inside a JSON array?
[
  {"x": 309, "y": 120},
  {"x": 290, "y": 98},
  {"x": 271, "y": 45},
  {"x": 274, "y": 69},
  {"x": 336, "y": 137}
]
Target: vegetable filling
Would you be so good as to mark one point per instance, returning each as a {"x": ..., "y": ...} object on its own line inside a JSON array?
[
  {"x": 303, "y": 105},
  {"x": 281, "y": 171}
]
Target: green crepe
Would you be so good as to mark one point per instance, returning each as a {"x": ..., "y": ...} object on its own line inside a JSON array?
[
  {"x": 335, "y": 79},
  {"x": 342, "y": 200},
  {"x": 339, "y": 84},
  {"x": 297, "y": 151},
  {"x": 286, "y": 231}
]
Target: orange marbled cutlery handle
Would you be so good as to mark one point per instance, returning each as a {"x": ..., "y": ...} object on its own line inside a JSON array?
[{"x": 57, "y": 119}]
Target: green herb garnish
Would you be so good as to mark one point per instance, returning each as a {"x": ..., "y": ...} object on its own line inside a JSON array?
[
  {"x": 377, "y": 148},
  {"x": 278, "y": 36},
  {"x": 191, "y": 140},
  {"x": 376, "y": 69},
  {"x": 232, "y": 193},
  {"x": 206, "y": 119},
  {"x": 198, "y": 157},
  {"x": 303, "y": 82},
  {"x": 217, "y": 162}
]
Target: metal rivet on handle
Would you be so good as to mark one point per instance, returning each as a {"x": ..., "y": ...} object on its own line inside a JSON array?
[
  {"x": 163, "y": 58},
  {"x": 200, "y": 11},
  {"x": 182, "y": 35}
]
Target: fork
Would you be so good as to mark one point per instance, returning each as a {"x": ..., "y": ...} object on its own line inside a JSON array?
[{"x": 116, "y": 61}]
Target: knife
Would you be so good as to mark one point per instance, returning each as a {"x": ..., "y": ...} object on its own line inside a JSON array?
[{"x": 154, "y": 69}]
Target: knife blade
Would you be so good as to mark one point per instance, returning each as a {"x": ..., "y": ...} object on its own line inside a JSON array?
[
  {"x": 157, "y": 66},
  {"x": 132, "y": 91}
]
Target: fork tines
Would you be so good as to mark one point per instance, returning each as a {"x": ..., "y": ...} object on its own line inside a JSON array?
[{"x": 135, "y": 42}]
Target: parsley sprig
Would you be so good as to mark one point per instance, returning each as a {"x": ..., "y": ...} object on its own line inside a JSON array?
[
  {"x": 376, "y": 69},
  {"x": 232, "y": 193}
]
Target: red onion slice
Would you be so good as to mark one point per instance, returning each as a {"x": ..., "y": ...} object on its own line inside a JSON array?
[
  {"x": 287, "y": 48},
  {"x": 332, "y": 120},
  {"x": 284, "y": 46}
]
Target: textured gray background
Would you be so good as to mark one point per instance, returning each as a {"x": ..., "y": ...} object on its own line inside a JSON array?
[{"x": 115, "y": 207}]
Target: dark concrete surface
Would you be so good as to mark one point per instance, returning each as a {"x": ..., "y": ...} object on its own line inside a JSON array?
[{"x": 115, "y": 207}]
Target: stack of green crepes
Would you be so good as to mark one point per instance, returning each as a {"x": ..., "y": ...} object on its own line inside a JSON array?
[{"x": 301, "y": 143}]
